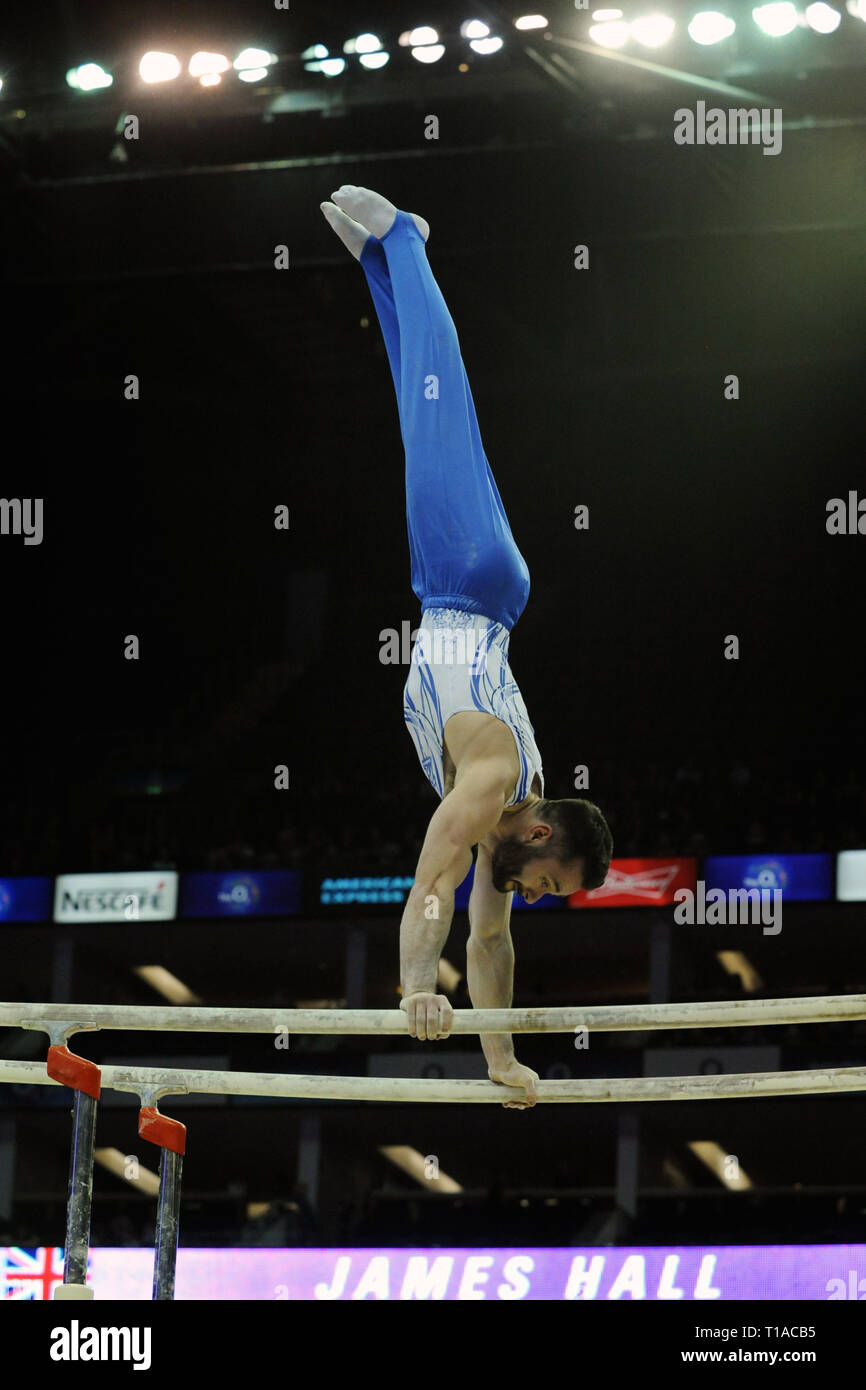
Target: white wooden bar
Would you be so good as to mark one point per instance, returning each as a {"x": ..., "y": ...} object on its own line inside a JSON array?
[
  {"x": 615, "y": 1018},
  {"x": 159, "y": 1081}
]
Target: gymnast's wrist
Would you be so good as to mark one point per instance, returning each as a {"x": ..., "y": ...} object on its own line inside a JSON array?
[
  {"x": 498, "y": 1048},
  {"x": 409, "y": 991}
]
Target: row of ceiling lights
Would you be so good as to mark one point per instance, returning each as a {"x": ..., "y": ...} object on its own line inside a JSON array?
[{"x": 609, "y": 29}]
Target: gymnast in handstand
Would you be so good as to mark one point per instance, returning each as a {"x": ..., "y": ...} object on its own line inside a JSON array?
[{"x": 462, "y": 706}]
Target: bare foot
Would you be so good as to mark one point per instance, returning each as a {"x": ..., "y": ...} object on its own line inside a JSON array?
[
  {"x": 353, "y": 236},
  {"x": 372, "y": 211}
]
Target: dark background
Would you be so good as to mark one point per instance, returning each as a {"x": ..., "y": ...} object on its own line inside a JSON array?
[{"x": 602, "y": 387}]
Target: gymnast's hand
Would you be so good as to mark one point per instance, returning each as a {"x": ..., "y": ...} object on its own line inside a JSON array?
[
  {"x": 430, "y": 1016},
  {"x": 515, "y": 1074}
]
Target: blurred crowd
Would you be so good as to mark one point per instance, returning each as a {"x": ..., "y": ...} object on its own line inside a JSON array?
[{"x": 345, "y": 824}]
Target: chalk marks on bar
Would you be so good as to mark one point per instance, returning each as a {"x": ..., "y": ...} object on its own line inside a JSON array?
[
  {"x": 614, "y": 1018},
  {"x": 164, "y": 1081}
]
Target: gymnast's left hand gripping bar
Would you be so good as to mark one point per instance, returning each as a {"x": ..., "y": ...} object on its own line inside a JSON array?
[{"x": 84, "y": 1079}]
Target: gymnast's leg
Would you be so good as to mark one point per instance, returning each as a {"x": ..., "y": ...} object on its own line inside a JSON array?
[{"x": 463, "y": 553}]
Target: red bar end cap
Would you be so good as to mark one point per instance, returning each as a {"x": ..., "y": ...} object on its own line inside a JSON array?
[
  {"x": 161, "y": 1129},
  {"x": 77, "y": 1072}
]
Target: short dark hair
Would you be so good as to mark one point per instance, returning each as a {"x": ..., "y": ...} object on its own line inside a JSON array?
[{"x": 580, "y": 831}]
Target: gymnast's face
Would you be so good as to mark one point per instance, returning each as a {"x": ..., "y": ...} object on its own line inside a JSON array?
[{"x": 532, "y": 871}]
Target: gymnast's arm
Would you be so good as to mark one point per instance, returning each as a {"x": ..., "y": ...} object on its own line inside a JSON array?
[
  {"x": 463, "y": 817},
  {"x": 490, "y": 956},
  {"x": 490, "y": 976}
]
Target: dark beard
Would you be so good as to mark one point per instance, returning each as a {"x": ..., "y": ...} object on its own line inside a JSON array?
[{"x": 508, "y": 860}]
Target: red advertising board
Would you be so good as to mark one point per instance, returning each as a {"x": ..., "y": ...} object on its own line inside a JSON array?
[{"x": 640, "y": 883}]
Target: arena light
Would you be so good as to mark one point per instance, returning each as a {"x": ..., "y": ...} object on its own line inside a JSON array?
[
  {"x": 474, "y": 29},
  {"x": 448, "y": 976},
  {"x": 134, "y": 1173},
  {"x": 485, "y": 46},
  {"x": 416, "y": 38},
  {"x": 316, "y": 50},
  {"x": 373, "y": 60},
  {"x": 531, "y": 21},
  {"x": 89, "y": 77},
  {"x": 261, "y": 58},
  {"x": 363, "y": 43},
  {"x": 253, "y": 63},
  {"x": 736, "y": 963},
  {"x": 166, "y": 984},
  {"x": 610, "y": 35},
  {"x": 159, "y": 67},
  {"x": 823, "y": 18},
  {"x": 330, "y": 67},
  {"x": 602, "y": 16},
  {"x": 711, "y": 27},
  {"x": 713, "y": 1156},
  {"x": 653, "y": 30},
  {"x": 428, "y": 53},
  {"x": 777, "y": 20},
  {"x": 857, "y": 8},
  {"x": 412, "y": 1162},
  {"x": 256, "y": 1210},
  {"x": 208, "y": 64}
]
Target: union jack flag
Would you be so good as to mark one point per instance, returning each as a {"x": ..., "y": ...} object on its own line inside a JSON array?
[{"x": 30, "y": 1274}]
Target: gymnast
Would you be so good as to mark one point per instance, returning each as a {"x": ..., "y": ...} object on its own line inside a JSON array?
[{"x": 464, "y": 711}]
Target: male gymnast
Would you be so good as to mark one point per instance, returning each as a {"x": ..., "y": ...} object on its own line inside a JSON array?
[{"x": 463, "y": 709}]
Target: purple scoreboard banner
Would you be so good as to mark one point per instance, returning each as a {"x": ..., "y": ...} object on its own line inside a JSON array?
[{"x": 675, "y": 1272}]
